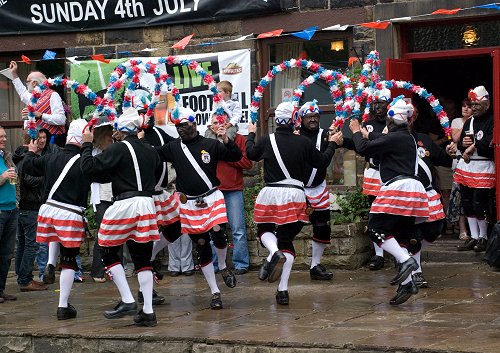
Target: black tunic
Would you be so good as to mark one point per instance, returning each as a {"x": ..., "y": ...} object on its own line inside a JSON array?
[
  {"x": 115, "y": 165},
  {"x": 75, "y": 186},
  {"x": 374, "y": 127},
  {"x": 296, "y": 152},
  {"x": 484, "y": 127},
  {"x": 153, "y": 139},
  {"x": 433, "y": 156},
  {"x": 188, "y": 181},
  {"x": 321, "y": 172}
]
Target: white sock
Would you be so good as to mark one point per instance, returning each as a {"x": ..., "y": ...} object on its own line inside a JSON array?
[
  {"x": 208, "y": 272},
  {"x": 121, "y": 283},
  {"x": 158, "y": 245},
  {"x": 270, "y": 242},
  {"x": 317, "y": 252},
  {"x": 53, "y": 253},
  {"x": 474, "y": 227},
  {"x": 392, "y": 247},
  {"x": 378, "y": 250},
  {"x": 417, "y": 258},
  {"x": 483, "y": 228},
  {"x": 145, "y": 279},
  {"x": 287, "y": 269},
  {"x": 65, "y": 285},
  {"x": 221, "y": 257}
]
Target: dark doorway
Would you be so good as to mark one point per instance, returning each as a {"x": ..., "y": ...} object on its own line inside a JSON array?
[{"x": 449, "y": 80}]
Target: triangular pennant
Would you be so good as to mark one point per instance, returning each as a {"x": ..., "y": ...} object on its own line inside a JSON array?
[
  {"x": 124, "y": 53},
  {"x": 445, "y": 12},
  {"x": 183, "y": 42},
  {"x": 275, "y": 33},
  {"x": 100, "y": 57},
  {"x": 149, "y": 49},
  {"x": 399, "y": 19},
  {"x": 241, "y": 38},
  {"x": 336, "y": 28},
  {"x": 376, "y": 25},
  {"x": 306, "y": 34},
  {"x": 49, "y": 55},
  {"x": 72, "y": 59},
  {"x": 488, "y": 6},
  {"x": 25, "y": 59}
]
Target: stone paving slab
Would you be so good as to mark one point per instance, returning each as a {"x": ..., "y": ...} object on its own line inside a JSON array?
[{"x": 460, "y": 312}]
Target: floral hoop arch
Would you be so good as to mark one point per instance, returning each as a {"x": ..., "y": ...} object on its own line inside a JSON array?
[
  {"x": 102, "y": 105},
  {"x": 330, "y": 76}
]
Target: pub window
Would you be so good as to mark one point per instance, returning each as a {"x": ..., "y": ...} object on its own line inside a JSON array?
[{"x": 331, "y": 53}]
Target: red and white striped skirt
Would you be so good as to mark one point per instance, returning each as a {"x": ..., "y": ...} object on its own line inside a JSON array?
[
  {"x": 404, "y": 197},
  {"x": 478, "y": 174},
  {"x": 280, "y": 205},
  {"x": 167, "y": 208},
  {"x": 318, "y": 197},
  {"x": 436, "y": 211},
  {"x": 196, "y": 220},
  {"x": 58, "y": 225},
  {"x": 129, "y": 219},
  {"x": 371, "y": 181}
]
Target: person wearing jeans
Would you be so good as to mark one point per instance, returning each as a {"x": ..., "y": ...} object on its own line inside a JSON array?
[{"x": 8, "y": 214}]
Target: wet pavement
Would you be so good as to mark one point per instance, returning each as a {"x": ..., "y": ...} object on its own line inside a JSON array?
[{"x": 459, "y": 312}]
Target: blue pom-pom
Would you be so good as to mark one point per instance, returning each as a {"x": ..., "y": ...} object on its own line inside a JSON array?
[{"x": 390, "y": 113}]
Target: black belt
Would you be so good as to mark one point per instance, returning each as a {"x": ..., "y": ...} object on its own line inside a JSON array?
[
  {"x": 80, "y": 213},
  {"x": 130, "y": 194},
  {"x": 276, "y": 185},
  {"x": 156, "y": 193},
  {"x": 209, "y": 192},
  {"x": 401, "y": 177}
]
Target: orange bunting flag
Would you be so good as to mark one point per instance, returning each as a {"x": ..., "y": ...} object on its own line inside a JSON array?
[
  {"x": 183, "y": 42},
  {"x": 100, "y": 57},
  {"x": 26, "y": 60},
  {"x": 445, "y": 12},
  {"x": 275, "y": 33},
  {"x": 376, "y": 25}
]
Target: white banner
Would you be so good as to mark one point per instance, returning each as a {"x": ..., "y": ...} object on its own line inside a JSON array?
[{"x": 233, "y": 66}]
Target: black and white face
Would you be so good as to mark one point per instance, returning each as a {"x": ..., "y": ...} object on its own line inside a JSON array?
[
  {"x": 379, "y": 109},
  {"x": 186, "y": 130},
  {"x": 311, "y": 121},
  {"x": 480, "y": 107}
]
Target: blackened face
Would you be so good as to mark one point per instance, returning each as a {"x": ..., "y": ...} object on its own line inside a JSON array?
[
  {"x": 311, "y": 121},
  {"x": 379, "y": 110},
  {"x": 480, "y": 107},
  {"x": 186, "y": 131}
]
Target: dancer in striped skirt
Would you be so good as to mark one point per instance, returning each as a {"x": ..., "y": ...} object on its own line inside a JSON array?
[
  {"x": 371, "y": 175},
  {"x": 317, "y": 194},
  {"x": 280, "y": 207},
  {"x": 402, "y": 198},
  {"x": 202, "y": 208},
  {"x": 60, "y": 219},
  {"x": 475, "y": 172},
  {"x": 133, "y": 168}
]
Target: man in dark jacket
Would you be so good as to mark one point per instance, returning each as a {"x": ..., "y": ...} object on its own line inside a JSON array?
[{"x": 30, "y": 200}]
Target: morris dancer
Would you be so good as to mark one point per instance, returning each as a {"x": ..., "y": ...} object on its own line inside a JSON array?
[
  {"x": 280, "y": 207},
  {"x": 476, "y": 171},
  {"x": 316, "y": 191},
  {"x": 402, "y": 198},
  {"x": 202, "y": 208},
  {"x": 131, "y": 166},
  {"x": 60, "y": 219},
  {"x": 371, "y": 176}
]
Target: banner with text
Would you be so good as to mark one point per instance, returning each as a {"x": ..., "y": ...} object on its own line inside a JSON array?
[
  {"x": 44, "y": 16},
  {"x": 233, "y": 66}
]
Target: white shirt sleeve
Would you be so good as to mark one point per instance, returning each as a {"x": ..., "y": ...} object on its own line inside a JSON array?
[
  {"x": 236, "y": 114},
  {"x": 21, "y": 90},
  {"x": 57, "y": 117}
]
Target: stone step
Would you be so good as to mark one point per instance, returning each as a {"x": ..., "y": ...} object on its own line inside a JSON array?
[{"x": 445, "y": 250}]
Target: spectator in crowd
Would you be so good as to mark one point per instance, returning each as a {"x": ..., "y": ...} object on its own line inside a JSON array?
[
  {"x": 30, "y": 200},
  {"x": 232, "y": 107},
  {"x": 8, "y": 213},
  {"x": 49, "y": 110}
]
